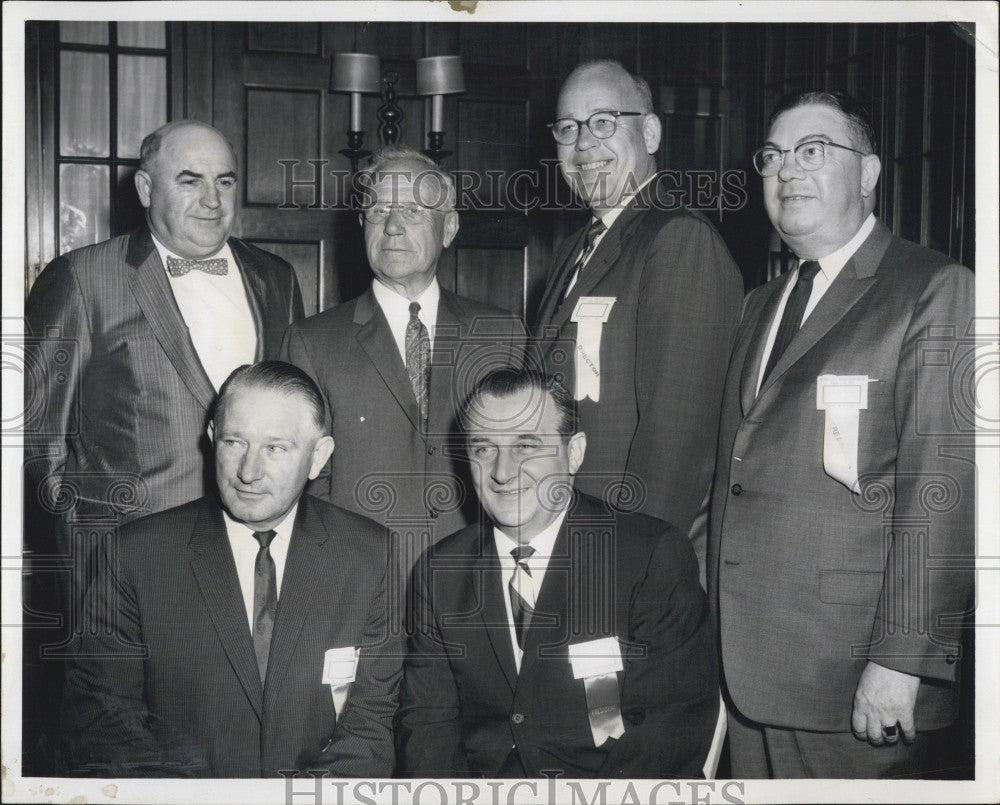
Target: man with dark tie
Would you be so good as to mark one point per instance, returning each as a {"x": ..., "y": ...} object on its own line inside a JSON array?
[
  {"x": 559, "y": 636},
  {"x": 639, "y": 308},
  {"x": 131, "y": 338},
  {"x": 247, "y": 633},
  {"x": 394, "y": 364},
  {"x": 842, "y": 539}
]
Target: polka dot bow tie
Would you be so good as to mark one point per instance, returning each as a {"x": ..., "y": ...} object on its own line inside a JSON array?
[{"x": 178, "y": 267}]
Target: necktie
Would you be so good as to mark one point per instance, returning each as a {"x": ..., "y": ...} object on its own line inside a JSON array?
[
  {"x": 178, "y": 267},
  {"x": 522, "y": 592},
  {"x": 593, "y": 233},
  {"x": 791, "y": 319},
  {"x": 265, "y": 600},
  {"x": 418, "y": 354}
]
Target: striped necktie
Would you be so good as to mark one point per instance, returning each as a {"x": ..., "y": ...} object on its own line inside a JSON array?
[
  {"x": 593, "y": 233},
  {"x": 522, "y": 592}
]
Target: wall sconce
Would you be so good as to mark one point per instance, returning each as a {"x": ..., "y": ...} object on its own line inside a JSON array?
[
  {"x": 438, "y": 76},
  {"x": 356, "y": 73}
]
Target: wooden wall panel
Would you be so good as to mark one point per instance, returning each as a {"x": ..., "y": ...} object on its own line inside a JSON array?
[
  {"x": 287, "y": 37},
  {"x": 282, "y": 124},
  {"x": 307, "y": 260},
  {"x": 494, "y": 276}
]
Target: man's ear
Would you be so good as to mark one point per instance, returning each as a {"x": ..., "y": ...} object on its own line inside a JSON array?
[
  {"x": 450, "y": 228},
  {"x": 577, "y": 448},
  {"x": 322, "y": 451},
  {"x": 652, "y": 130},
  {"x": 143, "y": 186},
  {"x": 871, "y": 169}
]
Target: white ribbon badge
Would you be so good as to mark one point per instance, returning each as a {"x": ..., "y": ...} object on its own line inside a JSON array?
[
  {"x": 842, "y": 397},
  {"x": 597, "y": 662},
  {"x": 339, "y": 668},
  {"x": 590, "y": 314}
]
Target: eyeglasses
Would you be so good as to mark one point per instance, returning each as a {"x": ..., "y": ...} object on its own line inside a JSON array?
[
  {"x": 409, "y": 213},
  {"x": 809, "y": 155},
  {"x": 601, "y": 124}
]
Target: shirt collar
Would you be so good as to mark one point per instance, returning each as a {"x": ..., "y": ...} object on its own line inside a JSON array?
[
  {"x": 542, "y": 542},
  {"x": 608, "y": 217},
  {"x": 832, "y": 264},
  {"x": 397, "y": 306},
  {"x": 282, "y": 531}
]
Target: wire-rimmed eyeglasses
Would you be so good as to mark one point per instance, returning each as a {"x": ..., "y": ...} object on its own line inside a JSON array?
[
  {"x": 408, "y": 213},
  {"x": 810, "y": 155},
  {"x": 601, "y": 124}
]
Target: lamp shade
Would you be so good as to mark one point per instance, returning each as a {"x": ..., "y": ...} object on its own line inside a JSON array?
[
  {"x": 440, "y": 75},
  {"x": 355, "y": 72}
]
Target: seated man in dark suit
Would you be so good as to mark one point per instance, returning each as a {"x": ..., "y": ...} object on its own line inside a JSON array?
[
  {"x": 243, "y": 635},
  {"x": 559, "y": 636}
]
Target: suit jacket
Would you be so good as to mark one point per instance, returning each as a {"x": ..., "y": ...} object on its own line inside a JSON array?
[
  {"x": 121, "y": 401},
  {"x": 463, "y": 705},
  {"x": 808, "y": 579},
  {"x": 663, "y": 354},
  {"x": 386, "y": 463},
  {"x": 166, "y": 683}
]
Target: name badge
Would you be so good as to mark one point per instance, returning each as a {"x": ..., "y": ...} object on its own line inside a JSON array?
[
  {"x": 590, "y": 314},
  {"x": 843, "y": 397},
  {"x": 340, "y": 665},
  {"x": 597, "y": 662}
]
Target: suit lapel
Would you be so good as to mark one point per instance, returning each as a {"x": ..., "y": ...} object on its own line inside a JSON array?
[
  {"x": 376, "y": 340},
  {"x": 548, "y": 629},
  {"x": 758, "y": 340},
  {"x": 215, "y": 572},
  {"x": 308, "y": 561},
  {"x": 493, "y": 610},
  {"x": 553, "y": 290},
  {"x": 152, "y": 292},
  {"x": 853, "y": 281},
  {"x": 448, "y": 335},
  {"x": 256, "y": 290}
]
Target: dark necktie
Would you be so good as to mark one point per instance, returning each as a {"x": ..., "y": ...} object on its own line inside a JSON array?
[
  {"x": 593, "y": 233},
  {"x": 418, "y": 354},
  {"x": 178, "y": 267},
  {"x": 791, "y": 319},
  {"x": 265, "y": 600},
  {"x": 522, "y": 592}
]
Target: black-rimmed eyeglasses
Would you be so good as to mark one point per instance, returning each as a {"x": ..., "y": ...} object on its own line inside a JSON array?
[
  {"x": 601, "y": 124},
  {"x": 810, "y": 155}
]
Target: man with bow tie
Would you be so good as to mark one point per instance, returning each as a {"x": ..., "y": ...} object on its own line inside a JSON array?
[
  {"x": 131, "y": 338},
  {"x": 639, "y": 307}
]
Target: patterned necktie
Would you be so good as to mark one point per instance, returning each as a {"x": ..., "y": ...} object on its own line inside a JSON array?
[
  {"x": 795, "y": 307},
  {"x": 265, "y": 600},
  {"x": 593, "y": 233},
  {"x": 418, "y": 358},
  {"x": 522, "y": 592},
  {"x": 178, "y": 267}
]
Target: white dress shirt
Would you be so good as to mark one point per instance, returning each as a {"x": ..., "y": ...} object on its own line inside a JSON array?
[
  {"x": 396, "y": 308},
  {"x": 217, "y": 314},
  {"x": 245, "y": 548},
  {"x": 537, "y": 562},
  {"x": 829, "y": 267},
  {"x": 608, "y": 218}
]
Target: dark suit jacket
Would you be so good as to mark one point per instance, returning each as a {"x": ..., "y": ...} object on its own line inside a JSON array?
[
  {"x": 810, "y": 580},
  {"x": 663, "y": 354},
  {"x": 463, "y": 705},
  {"x": 121, "y": 399},
  {"x": 166, "y": 683},
  {"x": 386, "y": 464}
]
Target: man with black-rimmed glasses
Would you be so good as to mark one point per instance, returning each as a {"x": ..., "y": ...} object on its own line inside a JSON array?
[{"x": 639, "y": 307}]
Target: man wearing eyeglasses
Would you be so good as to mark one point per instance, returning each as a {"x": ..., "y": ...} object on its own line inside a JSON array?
[
  {"x": 640, "y": 306},
  {"x": 394, "y": 363},
  {"x": 841, "y": 541}
]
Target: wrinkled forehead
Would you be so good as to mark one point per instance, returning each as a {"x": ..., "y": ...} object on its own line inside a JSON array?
[
  {"x": 809, "y": 121},
  {"x": 528, "y": 412},
  {"x": 409, "y": 183}
]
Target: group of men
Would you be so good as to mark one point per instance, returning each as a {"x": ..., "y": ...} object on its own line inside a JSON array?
[{"x": 402, "y": 537}]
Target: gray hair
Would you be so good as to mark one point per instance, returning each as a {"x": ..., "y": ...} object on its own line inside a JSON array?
[
  {"x": 384, "y": 158},
  {"x": 638, "y": 83}
]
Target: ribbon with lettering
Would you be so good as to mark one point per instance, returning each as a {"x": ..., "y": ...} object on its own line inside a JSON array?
[
  {"x": 597, "y": 662},
  {"x": 842, "y": 397},
  {"x": 590, "y": 314},
  {"x": 339, "y": 668}
]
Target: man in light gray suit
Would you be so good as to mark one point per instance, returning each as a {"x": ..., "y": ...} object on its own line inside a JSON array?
[{"x": 841, "y": 524}]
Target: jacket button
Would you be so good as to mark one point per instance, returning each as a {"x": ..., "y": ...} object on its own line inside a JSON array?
[
  {"x": 951, "y": 659},
  {"x": 517, "y": 718},
  {"x": 736, "y": 489}
]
